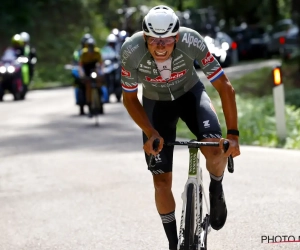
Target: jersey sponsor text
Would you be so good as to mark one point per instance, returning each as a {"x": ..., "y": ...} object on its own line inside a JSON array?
[
  {"x": 195, "y": 41},
  {"x": 127, "y": 52},
  {"x": 173, "y": 77}
]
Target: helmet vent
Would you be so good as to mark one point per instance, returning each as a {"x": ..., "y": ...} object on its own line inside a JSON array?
[{"x": 162, "y": 33}]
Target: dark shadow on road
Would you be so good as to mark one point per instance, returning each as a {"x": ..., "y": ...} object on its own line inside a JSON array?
[{"x": 66, "y": 133}]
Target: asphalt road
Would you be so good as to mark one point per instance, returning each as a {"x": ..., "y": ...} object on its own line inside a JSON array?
[{"x": 66, "y": 184}]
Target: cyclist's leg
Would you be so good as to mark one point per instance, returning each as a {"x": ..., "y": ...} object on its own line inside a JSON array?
[
  {"x": 88, "y": 95},
  {"x": 164, "y": 117},
  {"x": 202, "y": 120},
  {"x": 80, "y": 94}
]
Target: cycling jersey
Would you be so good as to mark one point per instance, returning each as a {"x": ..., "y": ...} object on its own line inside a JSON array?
[
  {"x": 87, "y": 57},
  {"x": 88, "y": 60},
  {"x": 138, "y": 66}
]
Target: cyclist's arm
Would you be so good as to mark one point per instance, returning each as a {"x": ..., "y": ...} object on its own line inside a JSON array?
[
  {"x": 137, "y": 113},
  {"x": 80, "y": 66},
  {"x": 215, "y": 74},
  {"x": 227, "y": 95},
  {"x": 99, "y": 57},
  {"x": 80, "y": 69},
  {"x": 100, "y": 62}
]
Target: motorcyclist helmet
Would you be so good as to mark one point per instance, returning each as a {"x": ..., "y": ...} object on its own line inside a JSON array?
[
  {"x": 115, "y": 31},
  {"x": 161, "y": 21},
  {"x": 25, "y": 37},
  {"x": 111, "y": 38},
  {"x": 85, "y": 38},
  {"x": 123, "y": 35},
  {"x": 17, "y": 41}
]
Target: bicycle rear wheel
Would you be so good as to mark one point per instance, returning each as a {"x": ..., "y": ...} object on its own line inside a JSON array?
[{"x": 189, "y": 230}]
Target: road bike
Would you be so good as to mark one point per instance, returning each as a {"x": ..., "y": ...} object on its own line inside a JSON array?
[
  {"x": 96, "y": 97},
  {"x": 194, "y": 225},
  {"x": 97, "y": 88}
]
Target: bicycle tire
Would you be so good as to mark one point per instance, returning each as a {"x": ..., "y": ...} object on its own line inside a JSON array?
[
  {"x": 200, "y": 204},
  {"x": 189, "y": 229},
  {"x": 96, "y": 104}
]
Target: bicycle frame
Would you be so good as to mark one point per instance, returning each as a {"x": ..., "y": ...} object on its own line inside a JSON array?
[
  {"x": 194, "y": 177},
  {"x": 95, "y": 96}
]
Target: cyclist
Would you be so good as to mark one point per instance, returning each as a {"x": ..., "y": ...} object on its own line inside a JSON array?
[
  {"x": 90, "y": 60},
  {"x": 161, "y": 57},
  {"x": 79, "y": 87}
]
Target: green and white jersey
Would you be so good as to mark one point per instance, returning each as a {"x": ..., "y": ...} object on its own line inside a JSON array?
[{"x": 138, "y": 66}]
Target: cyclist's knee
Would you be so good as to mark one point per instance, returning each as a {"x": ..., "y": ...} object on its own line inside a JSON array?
[
  {"x": 211, "y": 152},
  {"x": 215, "y": 164},
  {"x": 162, "y": 182}
]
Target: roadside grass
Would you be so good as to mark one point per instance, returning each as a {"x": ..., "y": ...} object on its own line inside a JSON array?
[
  {"x": 256, "y": 112},
  {"x": 63, "y": 78}
]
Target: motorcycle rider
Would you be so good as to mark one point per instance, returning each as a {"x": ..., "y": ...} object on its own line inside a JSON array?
[
  {"x": 79, "y": 86},
  {"x": 30, "y": 52},
  {"x": 11, "y": 54},
  {"x": 118, "y": 44},
  {"x": 28, "y": 69},
  {"x": 112, "y": 69},
  {"x": 15, "y": 50},
  {"x": 123, "y": 36}
]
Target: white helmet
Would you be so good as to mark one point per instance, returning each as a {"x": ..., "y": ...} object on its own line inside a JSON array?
[
  {"x": 111, "y": 38},
  {"x": 161, "y": 21},
  {"x": 25, "y": 37}
]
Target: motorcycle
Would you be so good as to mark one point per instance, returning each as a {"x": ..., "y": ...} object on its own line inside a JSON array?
[
  {"x": 112, "y": 74},
  {"x": 11, "y": 78}
]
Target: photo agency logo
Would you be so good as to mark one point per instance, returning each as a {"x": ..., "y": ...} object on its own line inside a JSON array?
[{"x": 277, "y": 239}]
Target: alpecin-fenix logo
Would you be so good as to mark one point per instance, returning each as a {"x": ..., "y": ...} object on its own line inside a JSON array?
[{"x": 277, "y": 239}]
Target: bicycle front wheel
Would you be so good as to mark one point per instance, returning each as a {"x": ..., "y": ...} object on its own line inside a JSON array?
[
  {"x": 96, "y": 103},
  {"x": 189, "y": 230}
]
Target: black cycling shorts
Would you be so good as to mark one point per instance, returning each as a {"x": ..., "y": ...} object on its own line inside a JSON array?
[{"x": 194, "y": 108}]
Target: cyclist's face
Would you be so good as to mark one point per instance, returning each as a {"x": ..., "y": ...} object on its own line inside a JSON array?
[{"x": 161, "y": 48}]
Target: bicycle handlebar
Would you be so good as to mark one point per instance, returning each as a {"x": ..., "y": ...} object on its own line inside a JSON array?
[{"x": 194, "y": 144}]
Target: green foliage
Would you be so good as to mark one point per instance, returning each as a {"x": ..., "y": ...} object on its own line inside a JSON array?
[
  {"x": 292, "y": 97},
  {"x": 257, "y": 123},
  {"x": 254, "y": 84},
  {"x": 57, "y": 26},
  {"x": 256, "y": 112}
]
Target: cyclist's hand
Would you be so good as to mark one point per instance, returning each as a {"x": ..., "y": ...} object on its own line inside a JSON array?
[
  {"x": 148, "y": 146},
  {"x": 234, "y": 148}
]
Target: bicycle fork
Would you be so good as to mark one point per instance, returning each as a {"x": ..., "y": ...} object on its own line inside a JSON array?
[{"x": 202, "y": 228}]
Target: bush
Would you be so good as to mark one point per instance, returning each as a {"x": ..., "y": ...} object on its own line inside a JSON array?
[
  {"x": 292, "y": 97},
  {"x": 257, "y": 123}
]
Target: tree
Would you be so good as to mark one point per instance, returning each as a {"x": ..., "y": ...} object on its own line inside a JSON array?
[{"x": 274, "y": 10}]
